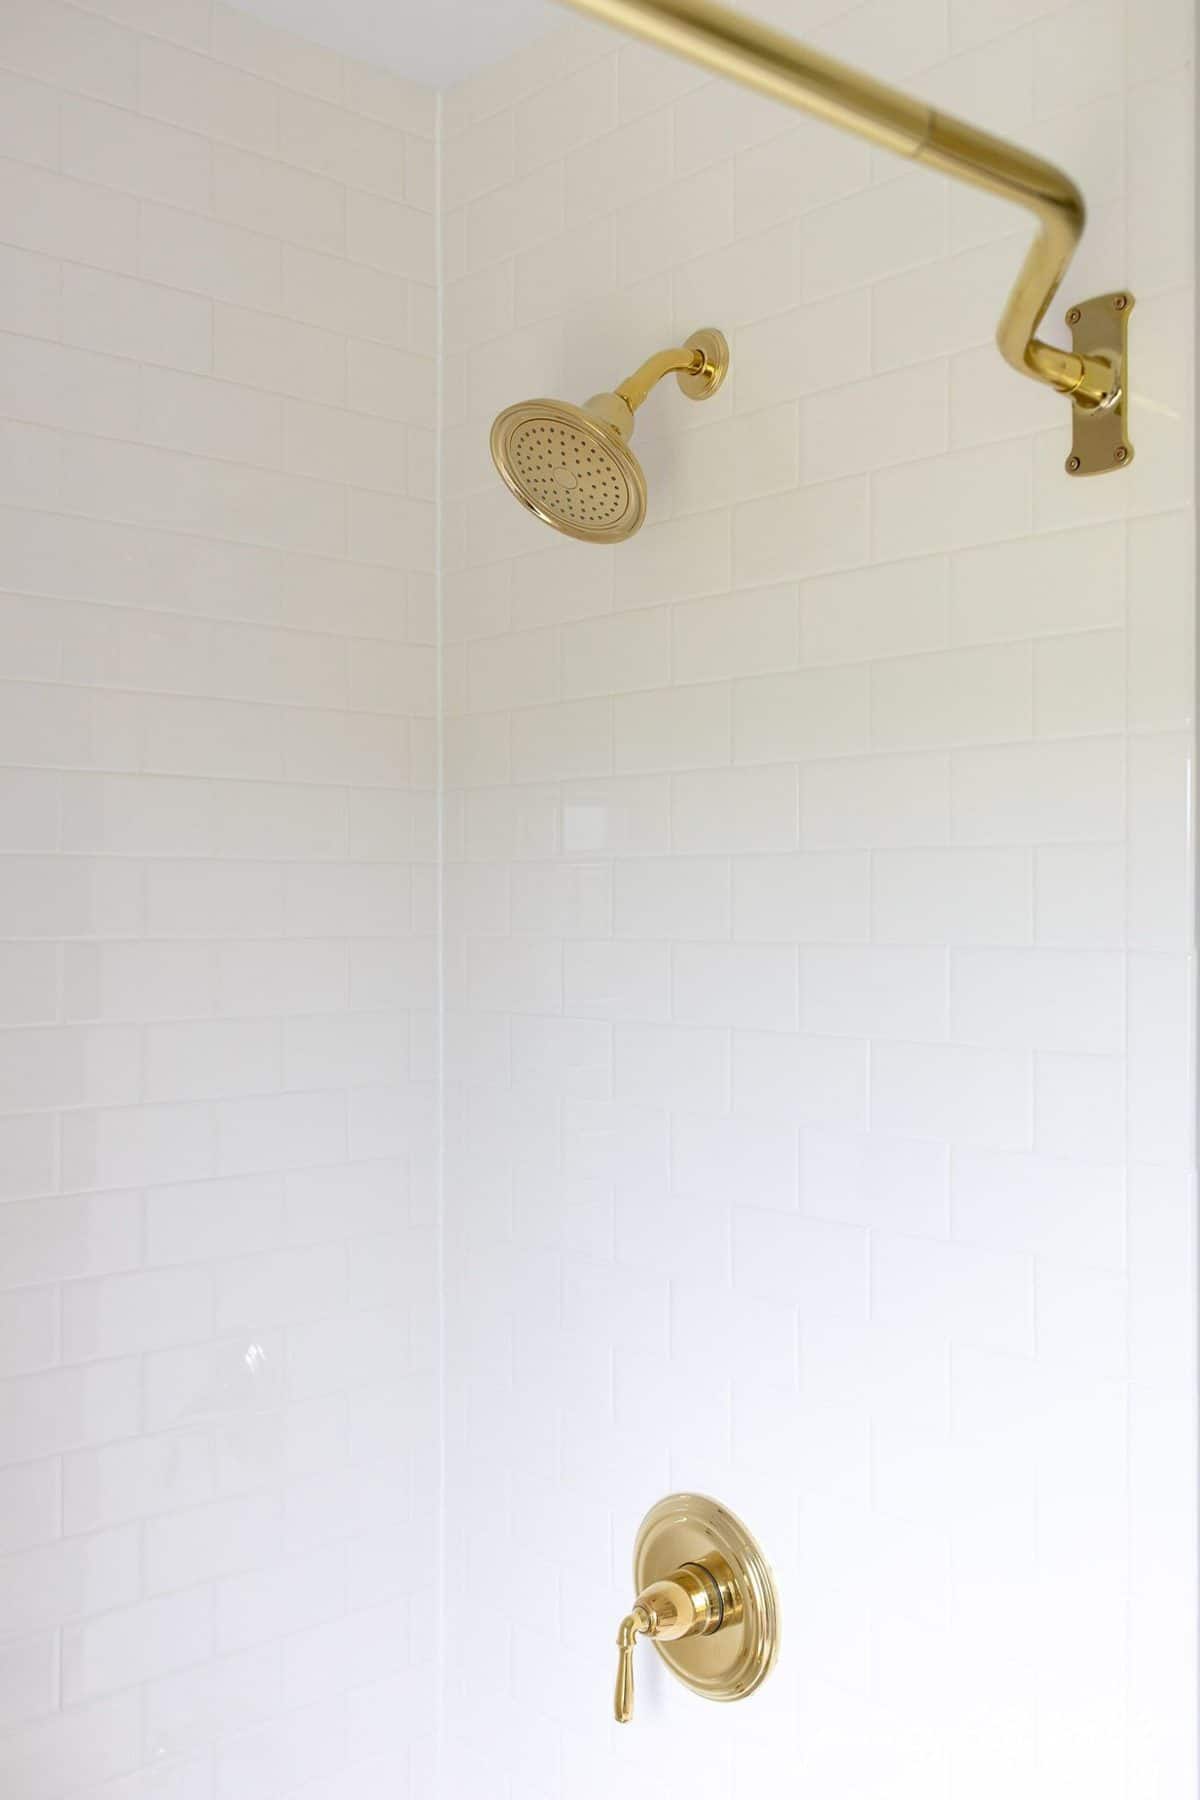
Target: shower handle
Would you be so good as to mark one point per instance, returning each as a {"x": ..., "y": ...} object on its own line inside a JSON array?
[{"x": 694, "y": 1600}]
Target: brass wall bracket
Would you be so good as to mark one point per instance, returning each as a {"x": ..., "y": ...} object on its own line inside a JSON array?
[
  {"x": 1100, "y": 331},
  {"x": 759, "y": 57}
]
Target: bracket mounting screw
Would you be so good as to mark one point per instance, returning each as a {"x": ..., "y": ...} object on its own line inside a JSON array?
[
  {"x": 1073, "y": 464},
  {"x": 1120, "y": 301},
  {"x": 1074, "y": 316},
  {"x": 1121, "y": 454}
]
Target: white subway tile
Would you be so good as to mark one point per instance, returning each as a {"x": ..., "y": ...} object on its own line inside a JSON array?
[
  {"x": 616, "y": 654},
  {"x": 891, "y": 418},
  {"x": 68, "y": 1066},
  {"x": 889, "y": 610},
  {"x": 394, "y": 383},
  {"x": 280, "y": 1132},
  {"x": 672, "y": 728},
  {"x": 1047, "y": 999},
  {"x": 969, "y": 497},
  {"x": 29, "y": 1147},
  {"x": 29, "y": 130},
  {"x": 570, "y": 739},
  {"x": 805, "y": 532},
  {"x": 606, "y": 173},
  {"x": 724, "y": 635},
  {"x": 1073, "y": 791},
  {"x": 868, "y": 236},
  {"x": 754, "y": 986},
  {"x": 818, "y": 1266},
  {"x": 72, "y": 51},
  {"x": 676, "y": 559},
  {"x": 62, "y": 217},
  {"x": 1065, "y": 581},
  {"x": 340, "y": 144},
  {"x": 795, "y": 171},
  {"x": 264, "y": 351},
  {"x": 207, "y": 256},
  {"x": 1061, "y": 876},
  {"x": 1160, "y": 630},
  {"x": 88, "y": 1743},
  {"x": 894, "y": 1184},
  {"x": 953, "y": 896},
  {"x": 1068, "y": 1212},
  {"x": 276, "y": 55},
  {"x": 671, "y": 1067},
  {"x": 28, "y": 1331},
  {"x": 30, "y": 293},
  {"x": 968, "y": 1095},
  {"x": 618, "y": 979},
  {"x": 269, "y": 197},
  {"x": 875, "y": 992},
  {"x": 809, "y": 1080},
  {"x": 116, "y": 1315},
  {"x": 136, "y": 1644},
  {"x": 114, "y": 148},
  {"x": 132, "y": 318},
  {"x": 735, "y": 810},
  {"x": 76, "y": 389},
  {"x": 566, "y": 113},
  {"x": 1080, "y": 1106},
  {"x": 801, "y": 899},
  {"x": 1079, "y": 684},
  {"x": 945, "y": 306},
  {"x": 343, "y": 296},
  {"x": 790, "y": 718},
  {"x": 712, "y": 1157},
  {"x": 952, "y": 696},
  {"x": 64, "y": 1409},
  {"x": 211, "y": 418},
  {"x": 788, "y": 355},
  {"x": 982, "y": 1299},
  {"x": 881, "y": 802},
  {"x": 660, "y": 230},
  {"x": 388, "y": 235}
]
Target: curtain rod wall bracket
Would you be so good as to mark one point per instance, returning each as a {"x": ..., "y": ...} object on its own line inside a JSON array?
[{"x": 1093, "y": 373}]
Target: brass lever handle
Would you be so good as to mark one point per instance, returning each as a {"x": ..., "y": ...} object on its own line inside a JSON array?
[
  {"x": 686, "y": 1603},
  {"x": 627, "y": 1636}
]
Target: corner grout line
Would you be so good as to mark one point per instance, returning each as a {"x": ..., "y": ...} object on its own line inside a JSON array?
[{"x": 439, "y": 1020}]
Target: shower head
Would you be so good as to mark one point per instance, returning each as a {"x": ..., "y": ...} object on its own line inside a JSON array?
[{"x": 572, "y": 467}]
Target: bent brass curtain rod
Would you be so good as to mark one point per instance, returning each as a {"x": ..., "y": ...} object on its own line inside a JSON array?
[{"x": 1093, "y": 373}]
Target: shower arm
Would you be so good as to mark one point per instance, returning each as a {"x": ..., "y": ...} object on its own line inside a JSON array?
[
  {"x": 634, "y": 389},
  {"x": 778, "y": 65}
]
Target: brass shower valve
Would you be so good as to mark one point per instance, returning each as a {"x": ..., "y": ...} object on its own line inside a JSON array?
[
  {"x": 692, "y": 1601},
  {"x": 706, "y": 1600}
]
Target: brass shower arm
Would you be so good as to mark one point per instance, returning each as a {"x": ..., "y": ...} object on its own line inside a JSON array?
[
  {"x": 634, "y": 389},
  {"x": 1092, "y": 373}
]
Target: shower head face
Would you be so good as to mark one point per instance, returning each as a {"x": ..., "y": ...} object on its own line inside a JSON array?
[{"x": 570, "y": 470}]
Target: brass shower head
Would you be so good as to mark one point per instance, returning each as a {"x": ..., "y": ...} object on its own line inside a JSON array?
[{"x": 572, "y": 467}]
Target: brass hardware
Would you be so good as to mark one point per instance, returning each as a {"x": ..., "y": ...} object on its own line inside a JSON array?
[
  {"x": 706, "y": 1599},
  {"x": 787, "y": 70},
  {"x": 571, "y": 466},
  {"x": 1100, "y": 440}
]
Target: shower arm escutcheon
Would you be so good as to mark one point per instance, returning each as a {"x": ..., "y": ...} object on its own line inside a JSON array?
[{"x": 1093, "y": 372}]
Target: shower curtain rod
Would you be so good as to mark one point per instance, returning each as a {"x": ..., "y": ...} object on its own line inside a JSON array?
[{"x": 729, "y": 43}]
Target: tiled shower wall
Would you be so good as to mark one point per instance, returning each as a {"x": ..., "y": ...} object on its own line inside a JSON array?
[
  {"x": 217, "y": 1239},
  {"x": 818, "y": 923}
]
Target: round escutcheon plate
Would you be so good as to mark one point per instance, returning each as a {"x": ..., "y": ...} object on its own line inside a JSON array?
[
  {"x": 698, "y": 385},
  {"x": 691, "y": 1528}
]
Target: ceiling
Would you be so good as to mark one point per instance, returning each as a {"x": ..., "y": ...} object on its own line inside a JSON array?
[{"x": 432, "y": 41}]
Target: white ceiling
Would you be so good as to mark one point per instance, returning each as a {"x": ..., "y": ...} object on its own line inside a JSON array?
[{"x": 432, "y": 41}]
